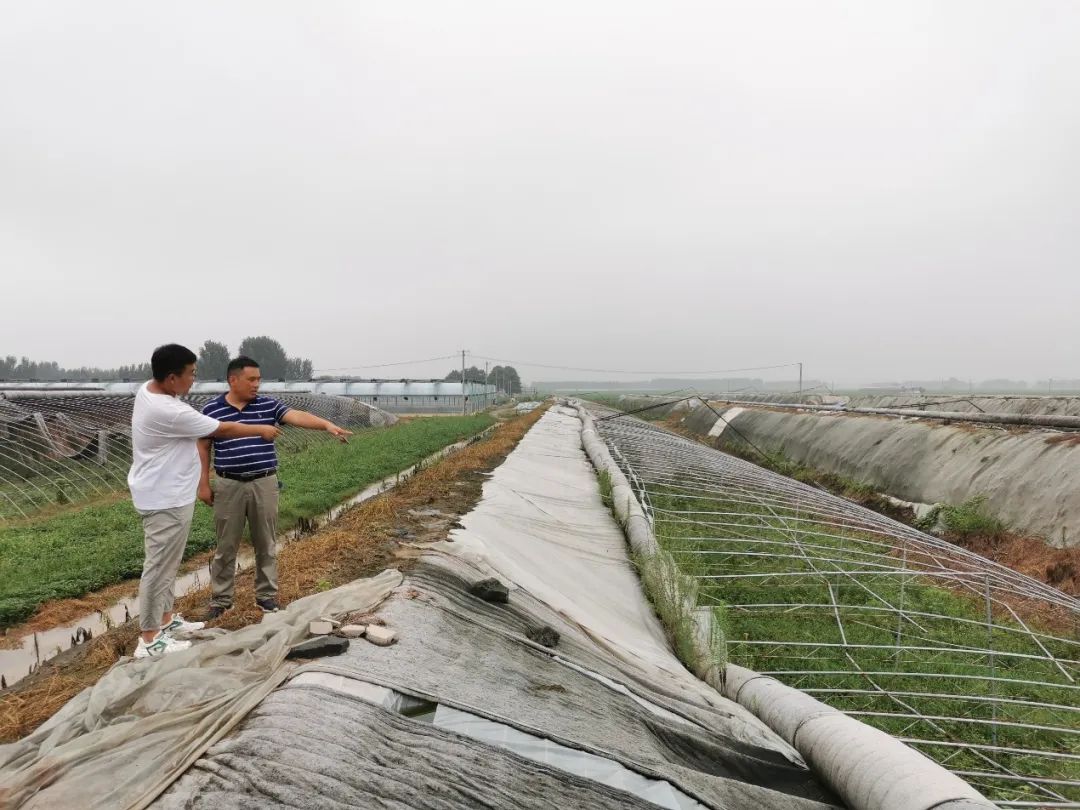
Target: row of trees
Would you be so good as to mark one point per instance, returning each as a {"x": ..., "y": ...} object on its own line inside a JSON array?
[
  {"x": 23, "y": 368},
  {"x": 504, "y": 378},
  {"x": 213, "y": 360},
  {"x": 268, "y": 353}
]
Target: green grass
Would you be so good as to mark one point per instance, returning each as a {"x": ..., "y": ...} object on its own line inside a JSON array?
[
  {"x": 967, "y": 521},
  {"x": 703, "y": 551},
  {"x": 84, "y": 549},
  {"x": 776, "y": 462},
  {"x": 48, "y": 482},
  {"x": 604, "y": 478},
  {"x": 970, "y": 519},
  {"x": 674, "y": 597}
]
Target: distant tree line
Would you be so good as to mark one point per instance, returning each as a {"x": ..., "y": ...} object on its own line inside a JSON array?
[
  {"x": 213, "y": 359},
  {"x": 23, "y": 368},
  {"x": 273, "y": 361},
  {"x": 504, "y": 378}
]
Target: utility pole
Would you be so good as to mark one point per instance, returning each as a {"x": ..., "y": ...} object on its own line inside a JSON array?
[
  {"x": 463, "y": 381},
  {"x": 800, "y": 382},
  {"x": 486, "y": 402}
]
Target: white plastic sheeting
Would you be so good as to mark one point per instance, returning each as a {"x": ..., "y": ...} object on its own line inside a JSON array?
[
  {"x": 582, "y": 763},
  {"x": 121, "y": 742},
  {"x": 371, "y": 693},
  {"x": 720, "y": 424},
  {"x": 542, "y": 527},
  {"x": 673, "y": 594},
  {"x": 530, "y": 746}
]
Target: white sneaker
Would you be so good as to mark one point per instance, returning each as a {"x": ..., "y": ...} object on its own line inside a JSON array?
[
  {"x": 162, "y": 644},
  {"x": 178, "y": 625}
]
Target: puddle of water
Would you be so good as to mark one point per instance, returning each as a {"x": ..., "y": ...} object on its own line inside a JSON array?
[{"x": 39, "y": 647}]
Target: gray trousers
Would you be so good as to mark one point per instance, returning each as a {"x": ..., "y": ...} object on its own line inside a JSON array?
[
  {"x": 165, "y": 535},
  {"x": 236, "y": 503}
]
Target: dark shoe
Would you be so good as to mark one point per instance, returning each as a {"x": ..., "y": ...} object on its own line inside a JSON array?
[
  {"x": 267, "y": 605},
  {"x": 216, "y": 611}
]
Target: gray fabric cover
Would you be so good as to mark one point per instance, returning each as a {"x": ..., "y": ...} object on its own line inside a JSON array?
[
  {"x": 457, "y": 650},
  {"x": 311, "y": 748}
]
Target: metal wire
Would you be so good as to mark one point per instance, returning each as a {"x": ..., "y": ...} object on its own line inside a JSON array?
[
  {"x": 970, "y": 662},
  {"x": 63, "y": 449}
]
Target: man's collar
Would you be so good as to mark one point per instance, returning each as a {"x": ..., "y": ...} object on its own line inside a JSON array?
[{"x": 243, "y": 405}]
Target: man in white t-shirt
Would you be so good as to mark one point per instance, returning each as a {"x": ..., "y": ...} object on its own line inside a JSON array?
[{"x": 164, "y": 478}]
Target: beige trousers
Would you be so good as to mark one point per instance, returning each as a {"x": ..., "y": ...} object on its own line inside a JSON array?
[
  {"x": 165, "y": 535},
  {"x": 236, "y": 503}
]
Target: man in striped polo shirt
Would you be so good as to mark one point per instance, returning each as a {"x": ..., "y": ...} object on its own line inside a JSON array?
[{"x": 246, "y": 490}]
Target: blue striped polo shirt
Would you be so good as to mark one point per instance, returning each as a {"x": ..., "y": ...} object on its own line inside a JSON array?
[{"x": 247, "y": 456}]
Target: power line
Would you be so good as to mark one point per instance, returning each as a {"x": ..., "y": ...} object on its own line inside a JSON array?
[
  {"x": 560, "y": 368},
  {"x": 628, "y": 371},
  {"x": 387, "y": 365}
]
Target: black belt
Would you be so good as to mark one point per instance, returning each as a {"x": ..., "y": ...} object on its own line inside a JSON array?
[{"x": 253, "y": 477}]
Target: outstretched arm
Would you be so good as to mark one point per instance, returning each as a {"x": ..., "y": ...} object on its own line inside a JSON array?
[
  {"x": 239, "y": 430},
  {"x": 312, "y": 422}
]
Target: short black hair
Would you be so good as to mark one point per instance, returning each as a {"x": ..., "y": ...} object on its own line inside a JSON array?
[
  {"x": 239, "y": 364},
  {"x": 172, "y": 358}
]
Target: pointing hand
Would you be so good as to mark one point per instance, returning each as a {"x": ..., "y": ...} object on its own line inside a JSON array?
[
  {"x": 341, "y": 434},
  {"x": 269, "y": 432}
]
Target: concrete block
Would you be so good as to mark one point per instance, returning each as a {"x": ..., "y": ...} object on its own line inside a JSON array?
[
  {"x": 353, "y": 630},
  {"x": 320, "y": 628},
  {"x": 381, "y": 636}
]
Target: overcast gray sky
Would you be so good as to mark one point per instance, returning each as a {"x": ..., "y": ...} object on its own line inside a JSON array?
[{"x": 880, "y": 190}]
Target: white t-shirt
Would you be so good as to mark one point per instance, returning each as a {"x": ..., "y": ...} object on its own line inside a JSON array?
[{"x": 165, "y": 456}]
